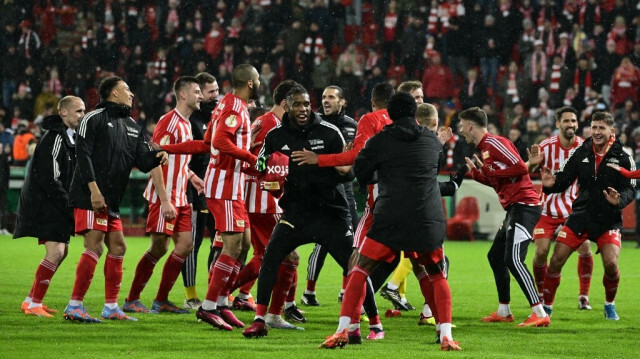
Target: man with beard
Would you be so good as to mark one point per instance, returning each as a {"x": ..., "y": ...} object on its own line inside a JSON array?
[
  {"x": 597, "y": 211},
  {"x": 201, "y": 217},
  {"x": 228, "y": 139},
  {"x": 333, "y": 107},
  {"x": 169, "y": 210},
  {"x": 556, "y": 207},
  {"x": 315, "y": 209}
]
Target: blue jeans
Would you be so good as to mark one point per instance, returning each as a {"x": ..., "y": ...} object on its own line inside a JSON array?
[
  {"x": 489, "y": 66},
  {"x": 8, "y": 89}
]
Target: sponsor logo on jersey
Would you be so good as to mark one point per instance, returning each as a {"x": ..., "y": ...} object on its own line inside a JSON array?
[
  {"x": 101, "y": 221},
  {"x": 281, "y": 170},
  {"x": 231, "y": 121},
  {"x": 613, "y": 160},
  {"x": 169, "y": 226},
  {"x": 485, "y": 155},
  {"x": 562, "y": 234},
  {"x": 538, "y": 231}
]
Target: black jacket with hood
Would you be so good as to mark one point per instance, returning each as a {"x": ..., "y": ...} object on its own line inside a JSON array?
[
  {"x": 43, "y": 209},
  {"x": 408, "y": 211},
  {"x": 109, "y": 144}
]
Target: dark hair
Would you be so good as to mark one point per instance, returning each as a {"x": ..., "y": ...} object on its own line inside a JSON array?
[
  {"x": 559, "y": 112},
  {"x": 107, "y": 85},
  {"x": 295, "y": 90},
  {"x": 409, "y": 86},
  {"x": 205, "y": 78},
  {"x": 605, "y": 117},
  {"x": 183, "y": 82},
  {"x": 337, "y": 88},
  {"x": 381, "y": 94},
  {"x": 475, "y": 115},
  {"x": 402, "y": 105},
  {"x": 280, "y": 92},
  {"x": 256, "y": 112},
  {"x": 242, "y": 74}
]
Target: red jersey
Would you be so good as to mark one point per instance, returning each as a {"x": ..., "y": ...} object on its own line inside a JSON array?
[
  {"x": 258, "y": 200},
  {"x": 172, "y": 128},
  {"x": 369, "y": 125},
  {"x": 224, "y": 178},
  {"x": 558, "y": 205},
  {"x": 505, "y": 171}
]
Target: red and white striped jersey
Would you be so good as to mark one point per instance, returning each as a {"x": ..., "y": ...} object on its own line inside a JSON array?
[
  {"x": 558, "y": 205},
  {"x": 224, "y": 178},
  {"x": 258, "y": 200},
  {"x": 172, "y": 128}
]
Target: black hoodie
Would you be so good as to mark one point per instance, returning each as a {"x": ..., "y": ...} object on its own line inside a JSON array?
[
  {"x": 408, "y": 211},
  {"x": 109, "y": 144},
  {"x": 43, "y": 209}
]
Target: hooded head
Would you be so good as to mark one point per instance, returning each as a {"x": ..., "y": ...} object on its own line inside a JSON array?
[{"x": 401, "y": 105}]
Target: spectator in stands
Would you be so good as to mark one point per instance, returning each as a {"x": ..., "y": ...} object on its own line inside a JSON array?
[
  {"x": 558, "y": 80},
  {"x": 414, "y": 41},
  {"x": 29, "y": 43},
  {"x": 625, "y": 83},
  {"x": 489, "y": 52},
  {"x": 472, "y": 93},
  {"x": 351, "y": 85},
  {"x": 513, "y": 87},
  {"x": 323, "y": 73},
  {"x": 21, "y": 143},
  {"x": 437, "y": 81},
  {"x": 515, "y": 136},
  {"x": 607, "y": 63}
]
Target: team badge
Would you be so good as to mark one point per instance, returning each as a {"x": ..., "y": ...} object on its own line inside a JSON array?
[
  {"x": 101, "y": 221},
  {"x": 485, "y": 155},
  {"x": 538, "y": 231},
  {"x": 239, "y": 223},
  {"x": 165, "y": 140},
  {"x": 562, "y": 234},
  {"x": 169, "y": 226},
  {"x": 231, "y": 121}
]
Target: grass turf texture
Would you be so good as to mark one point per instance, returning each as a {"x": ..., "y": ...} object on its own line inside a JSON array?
[{"x": 573, "y": 333}]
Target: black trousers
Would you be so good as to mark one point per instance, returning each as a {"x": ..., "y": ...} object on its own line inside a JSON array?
[
  {"x": 319, "y": 253},
  {"x": 509, "y": 251},
  {"x": 199, "y": 221},
  {"x": 320, "y": 227}
]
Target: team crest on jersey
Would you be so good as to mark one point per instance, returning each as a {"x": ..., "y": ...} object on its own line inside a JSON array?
[
  {"x": 485, "y": 155},
  {"x": 169, "y": 226},
  {"x": 239, "y": 223},
  {"x": 101, "y": 221},
  {"x": 231, "y": 121},
  {"x": 538, "y": 231},
  {"x": 215, "y": 151},
  {"x": 562, "y": 234},
  {"x": 165, "y": 140}
]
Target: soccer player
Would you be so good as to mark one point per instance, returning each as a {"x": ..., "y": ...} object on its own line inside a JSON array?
[
  {"x": 333, "y": 106},
  {"x": 109, "y": 144},
  {"x": 502, "y": 169},
  {"x": 408, "y": 215},
  {"x": 369, "y": 125},
  {"x": 556, "y": 207},
  {"x": 169, "y": 212},
  {"x": 314, "y": 206},
  {"x": 43, "y": 209},
  {"x": 414, "y": 88},
  {"x": 201, "y": 217},
  {"x": 264, "y": 212},
  {"x": 597, "y": 211}
]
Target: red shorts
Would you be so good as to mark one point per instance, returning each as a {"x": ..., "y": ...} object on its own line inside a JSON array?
[
  {"x": 229, "y": 215},
  {"x": 100, "y": 221},
  {"x": 156, "y": 223},
  {"x": 217, "y": 241},
  {"x": 571, "y": 239},
  {"x": 261, "y": 227},
  {"x": 363, "y": 227},
  {"x": 379, "y": 252},
  {"x": 547, "y": 227}
]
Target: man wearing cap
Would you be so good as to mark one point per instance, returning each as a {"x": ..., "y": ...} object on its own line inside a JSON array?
[{"x": 29, "y": 43}]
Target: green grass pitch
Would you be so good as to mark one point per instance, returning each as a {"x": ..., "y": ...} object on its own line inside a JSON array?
[{"x": 573, "y": 333}]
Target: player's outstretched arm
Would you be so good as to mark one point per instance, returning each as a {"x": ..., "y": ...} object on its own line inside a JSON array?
[
  {"x": 625, "y": 172},
  {"x": 222, "y": 141}
]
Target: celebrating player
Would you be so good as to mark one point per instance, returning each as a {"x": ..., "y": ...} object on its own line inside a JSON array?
[
  {"x": 169, "y": 211},
  {"x": 43, "y": 209},
  {"x": 597, "y": 211}
]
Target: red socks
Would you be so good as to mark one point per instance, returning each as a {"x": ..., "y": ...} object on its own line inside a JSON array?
[
  {"x": 585, "y": 268},
  {"x": 170, "y": 273},
  {"x": 291, "y": 296},
  {"x": 539, "y": 273},
  {"x": 281, "y": 288},
  {"x": 220, "y": 275},
  {"x": 354, "y": 293},
  {"x": 44, "y": 273},
  {"x": 232, "y": 279},
  {"x": 248, "y": 275},
  {"x": 84, "y": 274},
  {"x": 611, "y": 286},
  {"x": 112, "y": 278},
  {"x": 441, "y": 298},
  {"x": 144, "y": 269},
  {"x": 311, "y": 285},
  {"x": 427, "y": 292},
  {"x": 551, "y": 283}
]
